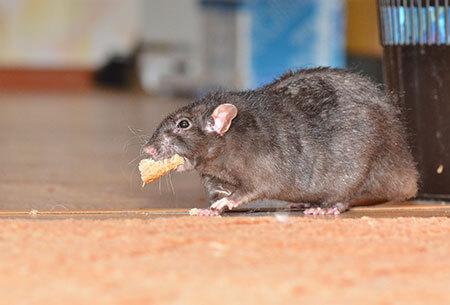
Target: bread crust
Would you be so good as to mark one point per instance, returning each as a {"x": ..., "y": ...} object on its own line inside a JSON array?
[{"x": 152, "y": 170}]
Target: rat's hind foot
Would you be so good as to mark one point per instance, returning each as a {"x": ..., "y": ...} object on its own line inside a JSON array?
[
  {"x": 334, "y": 209},
  {"x": 321, "y": 211}
]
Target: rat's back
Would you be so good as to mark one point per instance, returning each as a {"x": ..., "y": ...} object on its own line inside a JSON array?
[{"x": 336, "y": 134}]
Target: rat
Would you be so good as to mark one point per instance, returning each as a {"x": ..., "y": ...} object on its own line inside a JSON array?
[{"x": 321, "y": 139}]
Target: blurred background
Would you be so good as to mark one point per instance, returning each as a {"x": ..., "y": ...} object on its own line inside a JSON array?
[
  {"x": 83, "y": 82},
  {"x": 180, "y": 46}
]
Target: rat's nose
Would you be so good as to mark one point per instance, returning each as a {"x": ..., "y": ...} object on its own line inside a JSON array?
[{"x": 150, "y": 150}]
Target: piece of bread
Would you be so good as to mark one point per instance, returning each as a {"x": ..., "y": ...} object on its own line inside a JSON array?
[{"x": 152, "y": 170}]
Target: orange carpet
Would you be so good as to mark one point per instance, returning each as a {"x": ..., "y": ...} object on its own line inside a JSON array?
[{"x": 225, "y": 260}]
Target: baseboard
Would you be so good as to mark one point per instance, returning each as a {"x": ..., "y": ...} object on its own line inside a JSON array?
[{"x": 32, "y": 79}]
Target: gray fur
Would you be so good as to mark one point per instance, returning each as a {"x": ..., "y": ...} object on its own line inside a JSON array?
[{"x": 320, "y": 136}]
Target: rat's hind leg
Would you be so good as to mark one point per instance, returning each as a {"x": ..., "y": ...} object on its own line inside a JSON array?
[{"x": 387, "y": 182}]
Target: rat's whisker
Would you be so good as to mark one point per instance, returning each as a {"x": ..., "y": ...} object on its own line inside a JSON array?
[
  {"x": 134, "y": 131},
  {"x": 171, "y": 183},
  {"x": 133, "y": 171},
  {"x": 129, "y": 142},
  {"x": 167, "y": 181},
  {"x": 135, "y": 159},
  {"x": 126, "y": 145},
  {"x": 140, "y": 140},
  {"x": 143, "y": 139},
  {"x": 159, "y": 186},
  {"x": 141, "y": 150}
]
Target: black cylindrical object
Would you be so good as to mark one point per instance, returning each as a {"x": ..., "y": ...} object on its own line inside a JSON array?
[{"x": 415, "y": 35}]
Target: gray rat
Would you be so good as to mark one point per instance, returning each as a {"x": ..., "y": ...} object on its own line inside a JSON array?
[{"x": 323, "y": 139}]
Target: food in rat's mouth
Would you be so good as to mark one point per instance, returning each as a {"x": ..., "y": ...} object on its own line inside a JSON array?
[{"x": 152, "y": 170}]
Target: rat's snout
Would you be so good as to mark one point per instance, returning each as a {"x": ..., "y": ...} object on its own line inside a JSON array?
[
  {"x": 150, "y": 150},
  {"x": 159, "y": 147}
]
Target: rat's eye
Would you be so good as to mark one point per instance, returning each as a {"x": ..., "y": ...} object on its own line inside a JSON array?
[{"x": 184, "y": 124}]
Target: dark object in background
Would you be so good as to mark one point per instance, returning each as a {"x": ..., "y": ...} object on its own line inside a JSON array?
[
  {"x": 322, "y": 137},
  {"x": 368, "y": 65},
  {"x": 119, "y": 71},
  {"x": 416, "y": 40},
  {"x": 115, "y": 73},
  {"x": 155, "y": 68}
]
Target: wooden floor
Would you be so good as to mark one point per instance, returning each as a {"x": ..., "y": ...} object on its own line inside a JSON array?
[
  {"x": 62, "y": 152},
  {"x": 76, "y": 155}
]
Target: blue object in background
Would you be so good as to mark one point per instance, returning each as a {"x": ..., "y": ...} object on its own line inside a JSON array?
[
  {"x": 291, "y": 34},
  {"x": 248, "y": 43}
]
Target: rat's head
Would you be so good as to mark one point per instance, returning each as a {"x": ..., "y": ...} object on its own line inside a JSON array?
[{"x": 190, "y": 132}]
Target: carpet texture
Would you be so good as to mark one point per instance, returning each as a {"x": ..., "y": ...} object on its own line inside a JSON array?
[{"x": 268, "y": 260}]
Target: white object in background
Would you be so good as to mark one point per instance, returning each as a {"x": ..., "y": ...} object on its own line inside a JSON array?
[
  {"x": 65, "y": 33},
  {"x": 153, "y": 67}
]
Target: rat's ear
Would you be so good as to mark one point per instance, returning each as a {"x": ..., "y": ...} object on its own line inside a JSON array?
[{"x": 222, "y": 117}]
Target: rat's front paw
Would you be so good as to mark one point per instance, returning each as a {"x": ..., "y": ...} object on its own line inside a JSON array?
[
  {"x": 203, "y": 212},
  {"x": 223, "y": 203}
]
